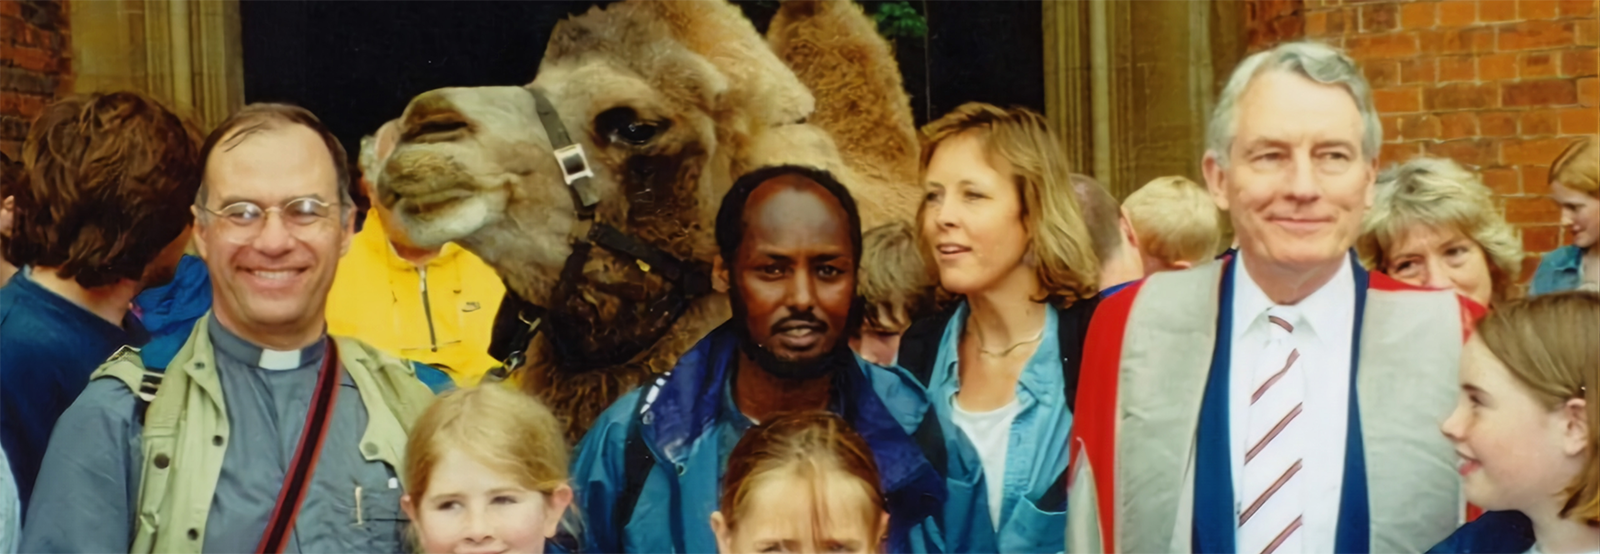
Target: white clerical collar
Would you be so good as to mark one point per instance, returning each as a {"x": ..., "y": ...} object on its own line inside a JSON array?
[{"x": 279, "y": 360}]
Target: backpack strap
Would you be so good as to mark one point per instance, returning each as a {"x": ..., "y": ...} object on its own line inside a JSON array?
[{"x": 637, "y": 458}]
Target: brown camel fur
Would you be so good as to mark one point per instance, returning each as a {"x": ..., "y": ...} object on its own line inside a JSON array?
[{"x": 670, "y": 101}]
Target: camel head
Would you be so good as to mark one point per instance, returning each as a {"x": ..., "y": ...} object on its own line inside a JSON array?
[{"x": 666, "y": 99}]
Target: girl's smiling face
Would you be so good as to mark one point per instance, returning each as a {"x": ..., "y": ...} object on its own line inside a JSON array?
[
  {"x": 1516, "y": 454},
  {"x": 472, "y": 509}
]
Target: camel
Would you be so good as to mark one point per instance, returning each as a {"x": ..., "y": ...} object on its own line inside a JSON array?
[{"x": 669, "y": 102}]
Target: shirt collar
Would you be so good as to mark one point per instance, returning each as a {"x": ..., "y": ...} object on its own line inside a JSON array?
[
  {"x": 241, "y": 351},
  {"x": 1324, "y": 309},
  {"x": 377, "y": 240},
  {"x": 1047, "y": 354}
]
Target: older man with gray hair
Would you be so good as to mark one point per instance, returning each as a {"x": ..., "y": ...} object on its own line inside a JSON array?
[{"x": 1281, "y": 399}]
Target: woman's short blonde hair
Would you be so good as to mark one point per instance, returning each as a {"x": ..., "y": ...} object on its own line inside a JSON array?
[
  {"x": 1438, "y": 193},
  {"x": 1059, "y": 245},
  {"x": 1175, "y": 219},
  {"x": 1547, "y": 342},
  {"x": 507, "y": 431},
  {"x": 1578, "y": 167}
]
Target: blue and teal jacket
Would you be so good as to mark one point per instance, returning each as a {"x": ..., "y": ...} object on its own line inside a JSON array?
[
  {"x": 689, "y": 423},
  {"x": 1559, "y": 270}
]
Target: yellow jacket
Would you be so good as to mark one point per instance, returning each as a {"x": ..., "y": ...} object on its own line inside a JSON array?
[{"x": 440, "y": 314}]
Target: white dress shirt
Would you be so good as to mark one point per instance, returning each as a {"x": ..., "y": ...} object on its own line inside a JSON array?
[{"x": 1323, "y": 337}]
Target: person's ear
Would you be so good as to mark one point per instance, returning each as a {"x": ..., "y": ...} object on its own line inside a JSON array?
[
  {"x": 556, "y": 503},
  {"x": 409, "y": 506},
  {"x": 1372, "y": 182},
  {"x": 198, "y": 238},
  {"x": 347, "y": 231},
  {"x": 1575, "y": 432},
  {"x": 883, "y": 530},
  {"x": 719, "y": 529},
  {"x": 719, "y": 274},
  {"x": 1127, "y": 229},
  {"x": 1216, "y": 180},
  {"x": 1182, "y": 264}
]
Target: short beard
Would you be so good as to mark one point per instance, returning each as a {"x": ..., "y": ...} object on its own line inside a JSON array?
[{"x": 798, "y": 370}]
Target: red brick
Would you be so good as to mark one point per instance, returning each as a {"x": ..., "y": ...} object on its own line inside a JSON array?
[
  {"x": 1549, "y": 92},
  {"x": 1418, "y": 70},
  {"x": 1538, "y": 64},
  {"x": 1397, "y": 45},
  {"x": 1588, "y": 93},
  {"x": 1497, "y": 10},
  {"x": 1379, "y": 18},
  {"x": 32, "y": 59},
  {"x": 1460, "y": 96},
  {"x": 1578, "y": 8},
  {"x": 1400, "y": 152},
  {"x": 1535, "y": 35},
  {"x": 1398, "y": 100},
  {"x": 1339, "y": 21},
  {"x": 1454, "y": 125},
  {"x": 1502, "y": 180},
  {"x": 1420, "y": 126},
  {"x": 1538, "y": 123},
  {"x": 1494, "y": 67},
  {"x": 1579, "y": 63},
  {"x": 1530, "y": 264},
  {"x": 1543, "y": 238},
  {"x": 1381, "y": 73},
  {"x": 1478, "y": 152},
  {"x": 1391, "y": 127},
  {"x": 1498, "y": 124},
  {"x": 1531, "y": 210},
  {"x": 1579, "y": 121},
  {"x": 1535, "y": 178},
  {"x": 1586, "y": 31},
  {"x": 1457, "y": 68},
  {"x": 1537, "y": 9},
  {"x": 1316, "y": 24},
  {"x": 1532, "y": 151},
  {"x": 12, "y": 9},
  {"x": 1457, "y": 13},
  {"x": 1417, "y": 16}
]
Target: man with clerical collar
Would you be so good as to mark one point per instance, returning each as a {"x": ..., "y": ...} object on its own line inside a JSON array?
[
  {"x": 649, "y": 471},
  {"x": 1281, "y": 399},
  {"x": 265, "y": 434}
]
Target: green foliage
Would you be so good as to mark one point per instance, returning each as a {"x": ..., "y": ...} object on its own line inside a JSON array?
[{"x": 898, "y": 19}]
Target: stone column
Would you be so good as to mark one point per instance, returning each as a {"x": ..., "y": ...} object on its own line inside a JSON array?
[{"x": 186, "y": 53}]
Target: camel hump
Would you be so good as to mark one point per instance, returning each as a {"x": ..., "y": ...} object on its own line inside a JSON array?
[{"x": 836, "y": 51}]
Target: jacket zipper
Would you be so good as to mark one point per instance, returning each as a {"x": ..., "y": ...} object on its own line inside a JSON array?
[{"x": 427, "y": 309}]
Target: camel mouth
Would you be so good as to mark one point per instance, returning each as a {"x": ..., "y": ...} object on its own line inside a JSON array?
[{"x": 430, "y": 204}]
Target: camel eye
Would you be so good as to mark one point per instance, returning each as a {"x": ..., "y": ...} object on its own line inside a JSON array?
[{"x": 624, "y": 125}]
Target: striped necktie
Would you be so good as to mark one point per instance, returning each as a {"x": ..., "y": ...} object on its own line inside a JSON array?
[{"x": 1275, "y": 442}]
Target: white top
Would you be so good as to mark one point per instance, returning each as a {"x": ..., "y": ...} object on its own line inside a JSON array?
[
  {"x": 1324, "y": 341},
  {"x": 279, "y": 360},
  {"x": 990, "y": 433},
  {"x": 1535, "y": 550}
]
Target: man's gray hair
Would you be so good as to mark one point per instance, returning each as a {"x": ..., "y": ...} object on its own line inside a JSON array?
[{"x": 1313, "y": 60}]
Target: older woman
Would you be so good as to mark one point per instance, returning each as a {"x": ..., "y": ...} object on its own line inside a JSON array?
[
  {"x": 1435, "y": 225},
  {"x": 1001, "y": 224},
  {"x": 1575, "y": 186}
]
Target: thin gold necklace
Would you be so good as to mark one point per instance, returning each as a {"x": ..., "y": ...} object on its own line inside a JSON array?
[{"x": 1006, "y": 351}]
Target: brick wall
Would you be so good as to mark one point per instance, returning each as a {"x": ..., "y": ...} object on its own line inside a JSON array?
[
  {"x": 1499, "y": 85},
  {"x": 35, "y": 64}
]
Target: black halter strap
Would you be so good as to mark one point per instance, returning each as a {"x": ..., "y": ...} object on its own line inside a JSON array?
[{"x": 689, "y": 279}]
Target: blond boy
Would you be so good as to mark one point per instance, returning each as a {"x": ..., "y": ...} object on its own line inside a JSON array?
[
  {"x": 1177, "y": 223},
  {"x": 895, "y": 288}
]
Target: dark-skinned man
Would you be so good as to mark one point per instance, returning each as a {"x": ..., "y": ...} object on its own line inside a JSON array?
[{"x": 648, "y": 472}]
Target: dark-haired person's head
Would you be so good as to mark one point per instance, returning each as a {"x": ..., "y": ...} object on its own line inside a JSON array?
[
  {"x": 104, "y": 198},
  {"x": 790, "y": 245},
  {"x": 275, "y": 216}
]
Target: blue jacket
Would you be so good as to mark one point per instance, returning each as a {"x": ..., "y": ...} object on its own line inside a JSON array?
[
  {"x": 691, "y": 423},
  {"x": 1558, "y": 271},
  {"x": 169, "y": 311},
  {"x": 1507, "y": 531}
]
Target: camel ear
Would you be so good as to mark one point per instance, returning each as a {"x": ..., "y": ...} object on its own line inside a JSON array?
[{"x": 757, "y": 79}]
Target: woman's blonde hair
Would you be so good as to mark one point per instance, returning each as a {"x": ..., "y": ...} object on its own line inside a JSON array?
[
  {"x": 1578, "y": 167},
  {"x": 1438, "y": 193},
  {"x": 1059, "y": 245},
  {"x": 509, "y": 432},
  {"x": 1548, "y": 343},
  {"x": 804, "y": 444},
  {"x": 1175, "y": 219}
]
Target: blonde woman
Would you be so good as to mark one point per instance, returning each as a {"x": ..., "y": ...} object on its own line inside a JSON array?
[
  {"x": 1575, "y": 186},
  {"x": 1435, "y": 225},
  {"x": 1001, "y": 225},
  {"x": 1527, "y": 428}
]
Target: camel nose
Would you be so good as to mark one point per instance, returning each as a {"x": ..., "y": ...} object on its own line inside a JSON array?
[{"x": 434, "y": 117}]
